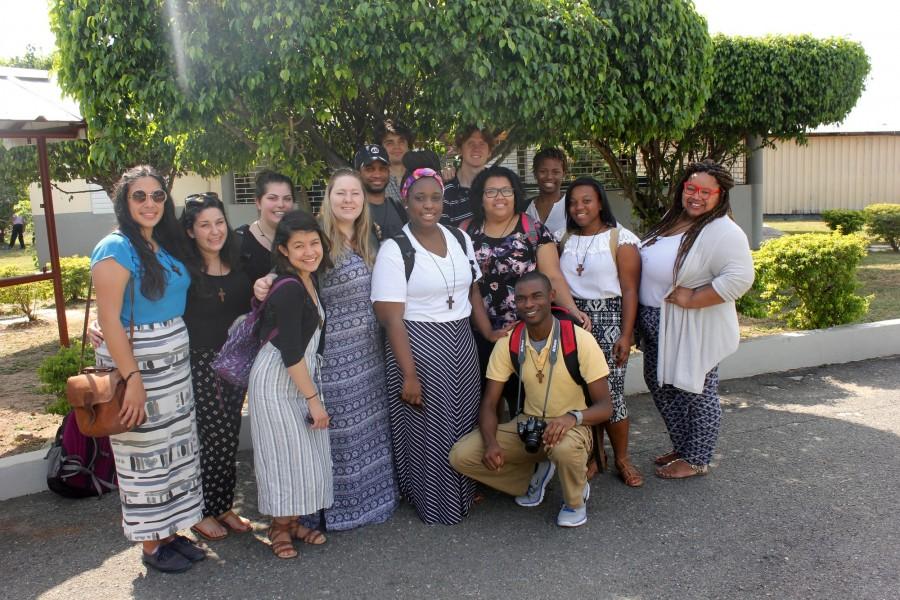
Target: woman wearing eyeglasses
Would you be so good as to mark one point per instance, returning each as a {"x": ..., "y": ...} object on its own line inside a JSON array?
[
  {"x": 141, "y": 277},
  {"x": 694, "y": 264},
  {"x": 274, "y": 198},
  {"x": 219, "y": 293},
  {"x": 508, "y": 244}
]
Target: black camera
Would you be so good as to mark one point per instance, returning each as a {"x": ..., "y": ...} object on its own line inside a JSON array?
[{"x": 531, "y": 432}]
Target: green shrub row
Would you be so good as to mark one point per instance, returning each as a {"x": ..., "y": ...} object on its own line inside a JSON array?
[
  {"x": 808, "y": 280},
  {"x": 25, "y": 297},
  {"x": 844, "y": 221},
  {"x": 883, "y": 221}
]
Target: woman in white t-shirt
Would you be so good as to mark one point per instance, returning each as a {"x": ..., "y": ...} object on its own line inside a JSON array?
[
  {"x": 548, "y": 207},
  {"x": 605, "y": 287},
  {"x": 695, "y": 263},
  {"x": 421, "y": 287}
]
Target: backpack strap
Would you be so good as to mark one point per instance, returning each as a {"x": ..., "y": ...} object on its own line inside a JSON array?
[
  {"x": 458, "y": 234},
  {"x": 529, "y": 229},
  {"x": 407, "y": 252},
  {"x": 401, "y": 212},
  {"x": 562, "y": 242},
  {"x": 515, "y": 342},
  {"x": 614, "y": 244}
]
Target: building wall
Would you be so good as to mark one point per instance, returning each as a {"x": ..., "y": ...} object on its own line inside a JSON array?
[{"x": 832, "y": 171}]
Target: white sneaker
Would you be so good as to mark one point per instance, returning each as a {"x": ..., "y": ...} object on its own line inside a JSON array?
[
  {"x": 574, "y": 517},
  {"x": 538, "y": 485}
]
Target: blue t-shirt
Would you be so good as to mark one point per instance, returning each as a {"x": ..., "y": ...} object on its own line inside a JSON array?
[{"x": 169, "y": 305}]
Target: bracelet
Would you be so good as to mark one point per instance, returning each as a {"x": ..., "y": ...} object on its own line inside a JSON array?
[
  {"x": 130, "y": 374},
  {"x": 316, "y": 395}
]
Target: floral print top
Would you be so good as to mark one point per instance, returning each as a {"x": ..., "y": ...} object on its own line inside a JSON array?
[{"x": 502, "y": 262}]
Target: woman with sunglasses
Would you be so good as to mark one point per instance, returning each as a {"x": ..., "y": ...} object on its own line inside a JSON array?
[
  {"x": 694, "y": 264},
  {"x": 140, "y": 273},
  {"x": 274, "y": 198},
  {"x": 508, "y": 244},
  {"x": 219, "y": 293},
  {"x": 601, "y": 262}
]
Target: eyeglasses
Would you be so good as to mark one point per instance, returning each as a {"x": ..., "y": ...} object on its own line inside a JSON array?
[
  {"x": 506, "y": 192},
  {"x": 211, "y": 198},
  {"x": 705, "y": 193},
  {"x": 140, "y": 196}
]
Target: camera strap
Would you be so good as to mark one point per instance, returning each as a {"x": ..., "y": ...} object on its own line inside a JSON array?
[{"x": 554, "y": 352}]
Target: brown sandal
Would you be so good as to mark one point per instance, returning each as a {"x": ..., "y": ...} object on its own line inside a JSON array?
[
  {"x": 629, "y": 473},
  {"x": 313, "y": 537},
  {"x": 668, "y": 471},
  {"x": 664, "y": 459},
  {"x": 282, "y": 548},
  {"x": 235, "y": 522},
  {"x": 199, "y": 531}
]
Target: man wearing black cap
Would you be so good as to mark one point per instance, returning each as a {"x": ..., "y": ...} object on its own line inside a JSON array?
[{"x": 373, "y": 165}]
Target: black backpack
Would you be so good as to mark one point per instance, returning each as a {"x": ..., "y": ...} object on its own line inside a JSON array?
[{"x": 409, "y": 253}]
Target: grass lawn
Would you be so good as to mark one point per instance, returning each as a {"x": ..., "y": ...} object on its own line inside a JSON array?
[
  {"x": 879, "y": 276},
  {"x": 21, "y": 259}
]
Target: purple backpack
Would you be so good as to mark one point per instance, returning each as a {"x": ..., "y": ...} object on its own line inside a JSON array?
[
  {"x": 79, "y": 466},
  {"x": 235, "y": 359}
]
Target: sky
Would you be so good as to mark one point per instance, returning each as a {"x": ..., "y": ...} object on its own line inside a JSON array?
[{"x": 873, "y": 23}]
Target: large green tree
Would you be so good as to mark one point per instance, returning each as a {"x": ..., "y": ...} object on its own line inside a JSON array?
[{"x": 299, "y": 84}]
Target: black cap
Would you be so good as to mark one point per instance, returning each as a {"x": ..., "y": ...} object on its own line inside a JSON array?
[{"x": 369, "y": 154}]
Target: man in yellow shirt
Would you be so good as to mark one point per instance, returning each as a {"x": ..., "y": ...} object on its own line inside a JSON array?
[{"x": 496, "y": 455}]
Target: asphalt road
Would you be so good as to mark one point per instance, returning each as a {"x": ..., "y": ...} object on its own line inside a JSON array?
[{"x": 802, "y": 502}]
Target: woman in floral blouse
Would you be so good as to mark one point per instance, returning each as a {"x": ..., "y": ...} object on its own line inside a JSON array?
[{"x": 508, "y": 244}]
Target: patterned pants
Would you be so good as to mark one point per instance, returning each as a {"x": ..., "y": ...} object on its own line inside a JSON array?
[
  {"x": 606, "y": 325},
  {"x": 693, "y": 420},
  {"x": 218, "y": 405}
]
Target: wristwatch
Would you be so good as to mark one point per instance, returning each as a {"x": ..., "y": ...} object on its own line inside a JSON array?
[{"x": 578, "y": 416}]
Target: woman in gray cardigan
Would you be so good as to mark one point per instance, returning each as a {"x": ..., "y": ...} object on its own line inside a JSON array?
[{"x": 695, "y": 263}]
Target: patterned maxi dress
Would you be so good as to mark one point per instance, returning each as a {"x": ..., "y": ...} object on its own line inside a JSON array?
[{"x": 365, "y": 486}]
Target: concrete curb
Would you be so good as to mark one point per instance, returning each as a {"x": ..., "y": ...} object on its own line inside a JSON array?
[{"x": 25, "y": 474}]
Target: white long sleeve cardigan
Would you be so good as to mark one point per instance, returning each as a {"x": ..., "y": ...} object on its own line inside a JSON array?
[{"x": 694, "y": 340}]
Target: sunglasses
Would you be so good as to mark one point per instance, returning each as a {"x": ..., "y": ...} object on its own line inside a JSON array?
[
  {"x": 705, "y": 193},
  {"x": 140, "y": 196},
  {"x": 204, "y": 199}
]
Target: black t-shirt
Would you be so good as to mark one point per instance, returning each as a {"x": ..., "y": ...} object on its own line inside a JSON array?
[
  {"x": 291, "y": 309},
  {"x": 213, "y": 303},
  {"x": 389, "y": 216},
  {"x": 256, "y": 260}
]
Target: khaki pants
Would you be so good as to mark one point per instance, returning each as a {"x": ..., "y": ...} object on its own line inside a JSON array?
[{"x": 570, "y": 457}]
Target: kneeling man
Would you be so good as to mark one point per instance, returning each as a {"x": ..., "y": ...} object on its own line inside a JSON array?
[{"x": 504, "y": 456}]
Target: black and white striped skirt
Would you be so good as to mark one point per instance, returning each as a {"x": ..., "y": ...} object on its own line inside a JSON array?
[
  {"x": 447, "y": 367},
  {"x": 158, "y": 463}
]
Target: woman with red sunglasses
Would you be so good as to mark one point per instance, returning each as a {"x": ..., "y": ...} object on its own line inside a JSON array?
[{"x": 694, "y": 264}]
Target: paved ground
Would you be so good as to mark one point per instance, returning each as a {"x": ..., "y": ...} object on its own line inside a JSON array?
[{"x": 802, "y": 503}]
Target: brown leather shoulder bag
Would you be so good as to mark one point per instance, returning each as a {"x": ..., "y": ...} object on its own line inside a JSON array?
[{"x": 96, "y": 393}]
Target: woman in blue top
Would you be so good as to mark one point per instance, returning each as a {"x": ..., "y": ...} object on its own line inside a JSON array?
[{"x": 140, "y": 277}]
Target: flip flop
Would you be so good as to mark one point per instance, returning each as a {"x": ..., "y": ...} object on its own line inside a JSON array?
[
  {"x": 206, "y": 536},
  {"x": 228, "y": 518}
]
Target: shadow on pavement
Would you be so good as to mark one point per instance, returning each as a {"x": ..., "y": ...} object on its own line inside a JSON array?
[{"x": 802, "y": 502}]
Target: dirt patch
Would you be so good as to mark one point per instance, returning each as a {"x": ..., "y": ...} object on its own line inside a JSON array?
[{"x": 24, "y": 424}]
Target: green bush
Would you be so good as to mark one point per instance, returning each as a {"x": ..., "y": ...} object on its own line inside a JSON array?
[
  {"x": 76, "y": 277},
  {"x": 56, "y": 369},
  {"x": 884, "y": 223},
  {"x": 25, "y": 297},
  {"x": 844, "y": 220},
  {"x": 810, "y": 279}
]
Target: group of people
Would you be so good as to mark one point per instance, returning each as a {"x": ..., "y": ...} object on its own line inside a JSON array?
[{"x": 393, "y": 326}]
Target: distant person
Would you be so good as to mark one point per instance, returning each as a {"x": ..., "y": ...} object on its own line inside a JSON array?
[
  {"x": 549, "y": 168},
  {"x": 397, "y": 139},
  {"x": 694, "y": 264},
  {"x": 388, "y": 214},
  {"x": 475, "y": 146},
  {"x": 18, "y": 230}
]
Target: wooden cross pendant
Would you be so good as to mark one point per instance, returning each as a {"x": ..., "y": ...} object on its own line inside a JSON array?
[
  {"x": 580, "y": 269},
  {"x": 540, "y": 376},
  {"x": 450, "y": 302},
  {"x": 221, "y": 295}
]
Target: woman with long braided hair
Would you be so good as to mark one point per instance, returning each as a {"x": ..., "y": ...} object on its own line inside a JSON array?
[{"x": 694, "y": 264}]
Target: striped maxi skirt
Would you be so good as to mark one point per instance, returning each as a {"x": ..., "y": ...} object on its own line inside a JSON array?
[
  {"x": 158, "y": 463},
  {"x": 292, "y": 461},
  {"x": 447, "y": 368}
]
